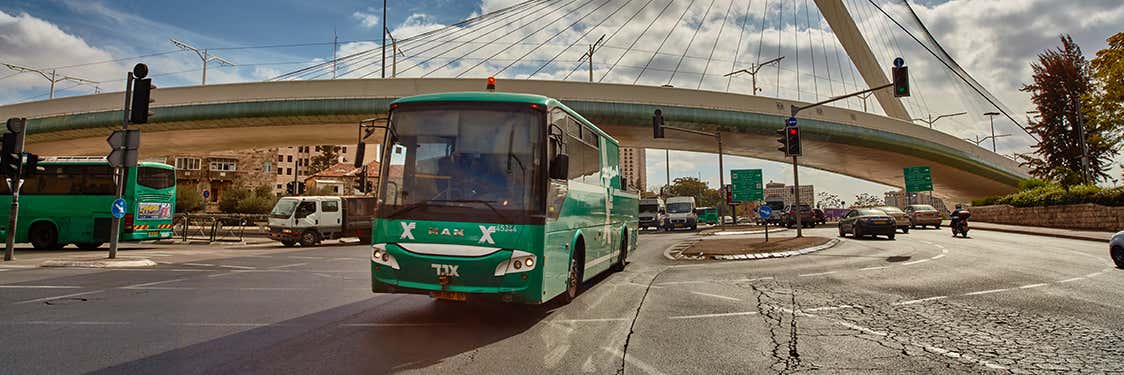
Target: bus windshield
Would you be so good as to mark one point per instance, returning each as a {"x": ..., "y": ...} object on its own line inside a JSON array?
[
  {"x": 465, "y": 161},
  {"x": 678, "y": 208}
]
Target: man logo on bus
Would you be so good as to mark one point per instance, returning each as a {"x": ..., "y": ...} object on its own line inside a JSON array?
[
  {"x": 486, "y": 234},
  {"x": 407, "y": 229},
  {"x": 445, "y": 269}
]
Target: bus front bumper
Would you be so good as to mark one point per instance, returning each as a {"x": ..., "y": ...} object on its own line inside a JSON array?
[{"x": 492, "y": 276}]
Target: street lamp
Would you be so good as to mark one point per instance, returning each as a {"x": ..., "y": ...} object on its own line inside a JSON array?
[
  {"x": 991, "y": 118},
  {"x": 51, "y": 76},
  {"x": 752, "y": 71},
  {"x": 202, "y": 56},
  {"x": 931, "y": 119}
]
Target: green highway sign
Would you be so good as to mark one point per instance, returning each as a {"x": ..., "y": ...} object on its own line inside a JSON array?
[
  {"x": 918, "y": 179},
  {"x": 747, "y": 185}
]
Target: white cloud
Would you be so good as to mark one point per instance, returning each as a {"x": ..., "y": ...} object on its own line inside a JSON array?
[
  {"x": 415, "y": 24},
  {"x": 366, "y": 19},
  {"x": 33, "y": 42},
  {"x": 488, "y": 6}
]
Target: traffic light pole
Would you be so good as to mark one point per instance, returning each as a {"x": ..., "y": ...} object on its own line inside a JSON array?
[
  {"x": 13, "y": 211},
  {"x": 119, "y": 173},
  {"x": 796, "y": 196},
  {"x": 796, "y": 109}
]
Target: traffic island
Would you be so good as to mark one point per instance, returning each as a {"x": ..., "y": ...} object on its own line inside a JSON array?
[
  {"x": 754, "y": 248},
  {"x": 99, "y": 263}
]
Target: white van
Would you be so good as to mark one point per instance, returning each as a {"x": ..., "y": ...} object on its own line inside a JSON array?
[{"x": 681, "y": 213}]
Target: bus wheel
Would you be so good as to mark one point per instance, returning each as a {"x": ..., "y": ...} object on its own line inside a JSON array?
[
  {"x": 573, "y": 282},
  {"x": 88, "y": 245},
  {"x": 44, "y": 236},
  {"x": 619, "y": 266},
  {"x": 309, "y": 238}
]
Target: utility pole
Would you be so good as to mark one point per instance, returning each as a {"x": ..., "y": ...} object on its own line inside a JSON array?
[
  {"x": 394, "y": 52},
  {"x": 991, "y": 117},
  {"x": 384, "y": 29},
  {"x": 667, "y": 165},
  {"x": 931, "y": 120},
  {"x": 204, "y": 56},
  {"x": 50, "y": 76},
  {"x": 589, "y": 55},
  {"x": 335, "y": 50},
  {"x": 752, "y": 71}
]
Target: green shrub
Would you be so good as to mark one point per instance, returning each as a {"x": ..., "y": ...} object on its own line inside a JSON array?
[
  {"x": 189, "y": 199},
  {"x": 1031, "y": 184},
  {"x": 986, "y": 201},
  {"x": 240, "y": 200},
  {"x": 1051, "y": 195},
  {"x": 255, "y": 204}
]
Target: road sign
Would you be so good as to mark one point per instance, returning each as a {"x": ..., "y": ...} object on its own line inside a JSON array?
[
  {"x": 124, "y": 144},
  {"x": 790, "y": 122},
  {"x": 206, "y": 194},
  {"x": 899, "y": 62},
  {"x": 118, "y": 208},
  {"x": 918, "y": 179},
  {"x": 747, "y": 185},
  {"x": 765, "y": 212}
]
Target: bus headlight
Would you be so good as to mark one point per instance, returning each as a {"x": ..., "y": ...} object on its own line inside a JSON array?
[
  {"x": 520, "y": 261},
  {"x": 381, "y": 256}
]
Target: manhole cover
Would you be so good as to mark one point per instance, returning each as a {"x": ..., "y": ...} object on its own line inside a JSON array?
[
  {"x": 898, "y": 258},
  {"x": 66, "y": 301}
]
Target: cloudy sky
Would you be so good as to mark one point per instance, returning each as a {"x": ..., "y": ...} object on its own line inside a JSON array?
[{"x": 651, "y": 42}]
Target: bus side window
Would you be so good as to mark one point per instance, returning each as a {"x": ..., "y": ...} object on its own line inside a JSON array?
[
  {"x": 591, "y": 160},
  {"x": 574, "y": 148}
]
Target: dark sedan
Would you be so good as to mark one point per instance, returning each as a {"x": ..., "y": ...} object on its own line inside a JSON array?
[{"x": 862, "y": 222}]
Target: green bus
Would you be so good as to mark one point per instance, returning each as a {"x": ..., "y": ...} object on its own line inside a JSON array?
[
  {"x": 707, "y": 215},
  {"x": 512, "y": 197},
  {"x": 68, "y": 202}
]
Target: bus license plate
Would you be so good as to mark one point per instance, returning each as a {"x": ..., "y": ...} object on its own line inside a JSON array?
[
  {"x": 452, "y": 296},
  {"x": 154, "y": 234}
]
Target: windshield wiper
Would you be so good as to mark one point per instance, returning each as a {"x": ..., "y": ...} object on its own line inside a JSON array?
[
  {"x": 408, "y": 208},
  {"x": 486, "y": 203}
]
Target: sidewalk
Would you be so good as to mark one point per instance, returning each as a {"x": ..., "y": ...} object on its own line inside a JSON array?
[{"x": 1103, "y": 237}]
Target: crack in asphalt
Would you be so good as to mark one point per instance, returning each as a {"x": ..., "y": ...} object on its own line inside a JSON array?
[
  {"x": 785, "y": 354},
  {"x": 632, "y": 324}
]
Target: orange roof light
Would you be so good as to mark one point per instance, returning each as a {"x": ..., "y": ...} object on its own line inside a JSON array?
[{"x": 491, "y": 84}]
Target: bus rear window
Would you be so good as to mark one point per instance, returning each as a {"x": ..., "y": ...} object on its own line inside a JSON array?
[{"x": 156, "y": 178}]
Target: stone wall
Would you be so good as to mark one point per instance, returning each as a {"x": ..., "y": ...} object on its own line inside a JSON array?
[{"x": 1075, "y": 216}]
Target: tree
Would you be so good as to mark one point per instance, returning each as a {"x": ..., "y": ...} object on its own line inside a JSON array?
[
  {"x": 189, "y": 199},
  {"x": 329, "y": 155},
  {"x": 1061, "y": 87},
  {"x": 245, "y": 201},
  {"x": 693, "y": 187},
  {"x": 828, "y": 200},
  {"x": 866, "y": 200},
  {"x": 1106, "y": 100}
]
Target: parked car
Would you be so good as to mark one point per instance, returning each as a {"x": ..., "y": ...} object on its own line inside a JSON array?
[
  {"x": 820, "y": 217},
  {"x": 807, "y": 220},
  {"x": 861, "y": 222},
  {"x": 900, "y": 217},
  {"x": 1116, "y": 249},
  {"x": 921, "y": 215}
]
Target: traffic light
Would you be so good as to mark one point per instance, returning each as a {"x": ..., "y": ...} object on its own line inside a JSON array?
[
  {"x": 10, "y": 155},
  {"x": 142, "y": 91},
  {"x": 793, "y": 136},
  {"x": 31, "y": 165},
  {"x": 783, "y": 140},
  {"x": 657, "y": 125},
  {"x": 901, "y": 81},
  {"x": 289, "y": 188},
  {"x": 729, "y": 195}
]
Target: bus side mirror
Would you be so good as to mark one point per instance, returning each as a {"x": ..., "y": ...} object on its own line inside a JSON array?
[
  {"x": 624, "y": 183},
  {"x": 560, "y": 167},
  {"x": 359, "y": 151}
]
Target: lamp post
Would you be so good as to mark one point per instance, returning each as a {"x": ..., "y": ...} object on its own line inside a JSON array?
[
  {"x": 752, "y": 71},
  {"x": 991, "y": 118},
  {"x": 932, "y": 119},
  {"x": 50, "y": 76},
  {"x": 207, "y": 59}
]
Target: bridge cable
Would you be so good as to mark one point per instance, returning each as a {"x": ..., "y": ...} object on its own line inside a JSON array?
[
  {"x": 780, "y": 31},
  {"x": 579, "y": 39},
  {"x": 716, "y": 40},
  {"x": 525, "y": 36},
  {"x": 665, "y": 38},
  {"x": 654, "y": 19},
  {"x": 760, "y": 39},
  {"x": 568, "y": 28},
  {"x": 811, "y": 51},
  {"x": 920, "y": 92},
  {"x": 691, "y": 42},
  {"x": 489, "y": 32},
  {"x": 737, "y": 51},
  {"x": 796, "y": 39},
  {"x": 823, "y": 47},
  {"x": 578, "y": 65},
  {"x": 496, "y": 18}
]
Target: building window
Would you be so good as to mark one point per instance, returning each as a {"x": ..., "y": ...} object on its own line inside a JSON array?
[
  {"x": 280, "y": 171},
  {"x": 224, "y": 165},
  {"x": 290, "y": 158},
  {"x": 289, "y": 171},
  {"x": 188, "y": 164},
  {"x": 344, "y": 149},
  {"x": 278, "y": 185},
  {"x": 267, "y": 167}
]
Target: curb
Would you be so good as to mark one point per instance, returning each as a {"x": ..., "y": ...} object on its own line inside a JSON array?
[
  {"x": 778, "y": 230},
  {"x": 1035, "y": 233},
  {"x": 781, "y": 254},
  {"x": 99, "y": 263}
]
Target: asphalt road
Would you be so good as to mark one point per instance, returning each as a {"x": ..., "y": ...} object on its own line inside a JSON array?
[{"x": 924, "y": 303}]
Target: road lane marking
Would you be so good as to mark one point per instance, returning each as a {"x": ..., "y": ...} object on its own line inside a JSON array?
[
  {"x": 873, "y": 268},
  {"x": 303, "y": 257},
  {"x": 829, "y": 308},
  {"x": 716, "y": 296},
  {"x": 235, "y": 267},
  {"x": 1072, "y": 280},
  {"x": 910, "y": 302},
  {"x": 225, "y": 274},
  {"x": 139, "y": 286},
  {"x": 915, "y": 262},
  {"x": 1032, "y": 286},
  {"x": 199, "y": 264},
  {"x": 986, "y": 292},
  {"x": 80, "y": 323},
  {"x": 17, "y": 266},
  {"x": 633, "y": 361},
  {"x": 394, "y": 324},
  {"x": 683, "y": 282},
  {"x": 39, "y": 287},
  {"x": 590, "y": 320},
  {"x": 1094, "y": 274},
  {"x": 292, "y": 265},
  {"x": 57, "y": 297},
  {"x": 718, "y": 315},
  {"x": 938, "y": 256},
  {"x": 818, "y": 274}
]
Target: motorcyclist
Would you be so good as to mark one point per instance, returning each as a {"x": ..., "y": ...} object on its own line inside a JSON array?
[{"x": 956, "y": 217}]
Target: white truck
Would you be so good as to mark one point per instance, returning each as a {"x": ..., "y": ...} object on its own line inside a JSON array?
[
  {"x": 681, "y": 213},
  {"x": 309, "y": 220},
  {"x": 653, "y": 214}
]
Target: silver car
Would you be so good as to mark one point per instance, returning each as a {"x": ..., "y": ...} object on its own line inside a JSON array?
[{"x": 1116, "y": 249}]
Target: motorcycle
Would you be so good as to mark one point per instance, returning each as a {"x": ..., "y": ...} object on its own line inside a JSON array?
[{"x": 960, "y": 223}]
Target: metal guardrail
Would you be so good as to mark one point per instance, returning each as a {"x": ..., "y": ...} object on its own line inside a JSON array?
[{"x": 218, "y": 227}]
